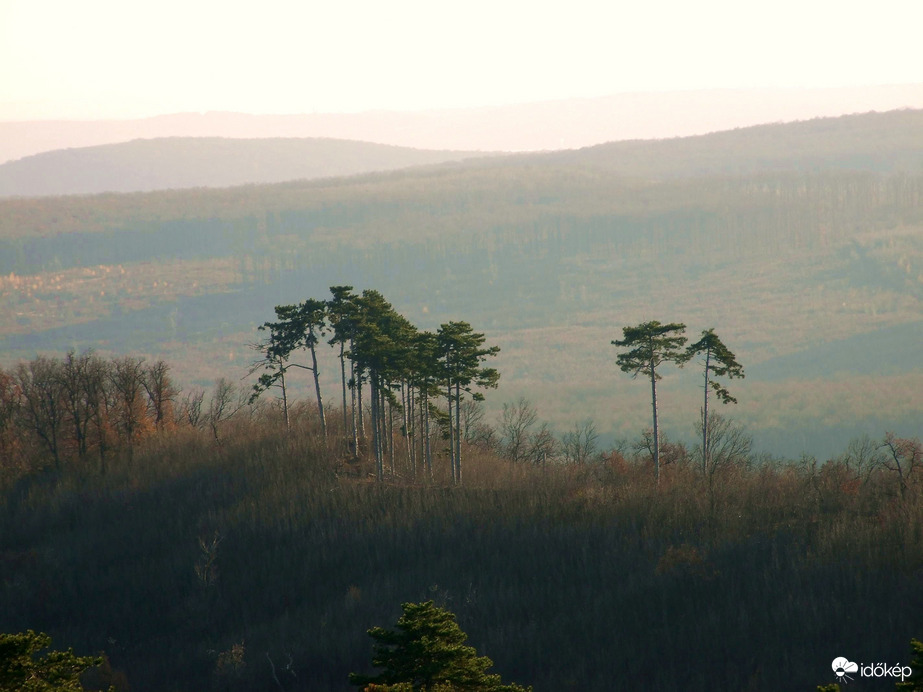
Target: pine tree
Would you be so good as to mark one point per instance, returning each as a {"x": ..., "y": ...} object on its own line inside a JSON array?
[
  {"x": 427, "y": 651},
  {"x": 56, "y": 671},
  {"x": 719, "y": 362},
  {"x": 650, "y": 345},
  {"x": 461, "y": 354},
  {"x": 915, "y": 682},
  {"x": 341, "y": 312},
  {"x": 298, "y": 327}
]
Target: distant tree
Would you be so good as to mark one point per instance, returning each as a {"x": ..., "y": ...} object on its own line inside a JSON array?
[
  {"x": 902, "y": 456},
  {"x": 191, "y": 408},
  {"x": 543, "y": 446},
  {"x": 461, "y": 354},
  {"x": 427, "y": 652},
  {"x": 10, "y": 404},
  {"x": 580, "y": 444},
  {"x": 382, "y": 335},
  {"x": 308, "y": 321},
  {"x": 81, "y": 402},
  {"x": 126, "y": 377},
  {"x": 516, "y": 423},
  {"x": 719, "y": 362},
  {"x": 426, "y": 384},
  {"x": 225, "y": 402},
  {"x": 341, "y": 313},
  {"x": 161, "y": 392},
  {"x": 650, "y": 345},
  {"x": 297, "y": 327},
  {"x": 43, "y": 407},
  {"x": 56, "y": 671},
  {"x": 475, "y": 430},
  {"x": 274, "y": 353}
]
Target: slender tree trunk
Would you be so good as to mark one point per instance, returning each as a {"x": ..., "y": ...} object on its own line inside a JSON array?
[
  {"x": 427, "y": 452},
  {"x": 355, "y": 427},
  {"x": 391, "y": 438},
  {"x": 361, "y": 412},
  {"x": 458, "y": 433},
  {"x": 705, "y": 449},
  {"x": 656, "y": 431},
  {"x": 451, "y": 432},
  {"x": 320, "y": 401},
  {"x": 376, "y": 438},
  {"x": 288, "y": 426},
  {"x": 407, "y": 421},
  {"x": 343, "y": 382}
]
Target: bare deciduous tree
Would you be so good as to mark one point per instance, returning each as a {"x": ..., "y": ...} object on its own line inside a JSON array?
[
  {"x": 580, "y": 444},
  {"x": 516, "y": 423},
  {"x": 902, "y": 456}
]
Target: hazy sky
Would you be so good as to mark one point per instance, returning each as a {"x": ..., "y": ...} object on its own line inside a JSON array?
[{"x": 121, "y": 58}]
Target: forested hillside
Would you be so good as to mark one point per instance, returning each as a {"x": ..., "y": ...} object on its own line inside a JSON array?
[
  {"x": 201, "y": 543},
  {"x": 263, "y": 457},
  {"x": 801, "y": 243}
]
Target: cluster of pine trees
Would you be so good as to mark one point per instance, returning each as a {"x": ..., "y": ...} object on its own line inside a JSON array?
[{"x": 406, "y": 370}]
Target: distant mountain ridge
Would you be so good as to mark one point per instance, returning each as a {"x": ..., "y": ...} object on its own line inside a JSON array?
[
  {"x": 873, "y": 142},
  {"x": 880, "y": 142},
  {"x": 188, "y": 162},
  {"x": 542, "y": 126}
]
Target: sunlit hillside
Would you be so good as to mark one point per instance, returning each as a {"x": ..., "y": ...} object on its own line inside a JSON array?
[{"x": 801, "y": 244}]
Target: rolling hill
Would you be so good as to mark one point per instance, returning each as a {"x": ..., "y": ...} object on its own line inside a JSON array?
[
  {"x": 802, "y": 244},
  {"x": 542, "y": 126},
  {"x": 181, "y": 162}
]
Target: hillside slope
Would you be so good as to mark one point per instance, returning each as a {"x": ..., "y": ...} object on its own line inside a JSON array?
[
  {"x": 801, "y": 244},
  {"x": 179, "y": 162},
  {"x": 875, "y": 142}
]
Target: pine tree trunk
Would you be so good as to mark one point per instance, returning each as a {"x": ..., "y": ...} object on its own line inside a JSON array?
[
  {"x": 355, "y": 427},
  {"x": 361, "y": 413},
  {"x": 320, "y": 401},
  {"x": 407, "y": 420},
  {"x": 427, "y": 449},
  {"x": 391, "y": 438},
  {"x": 656, "y": 431},
  {"x": 376, "y": 438},
  {"x": 705, "y": 415},
  {"x": 343, "y": 381},
  {"x": 451, "y": 435},
  {"x": 458, "y": 432},
  {"x": 288, "y": 426}
]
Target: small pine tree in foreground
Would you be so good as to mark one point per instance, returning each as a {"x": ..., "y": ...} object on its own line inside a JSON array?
[
  {"x": 427, "y": 653},
  {"x": 915, "y": 681},
  {"x": 56, "y": 671}
]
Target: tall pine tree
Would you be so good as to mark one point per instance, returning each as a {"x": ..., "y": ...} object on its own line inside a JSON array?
[{"x": 650, "y": 345}]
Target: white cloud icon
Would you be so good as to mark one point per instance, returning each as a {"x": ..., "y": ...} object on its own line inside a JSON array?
[{"x": 842, "y": 665}]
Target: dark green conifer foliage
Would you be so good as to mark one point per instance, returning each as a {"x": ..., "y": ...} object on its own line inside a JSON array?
[
  {"x": 719, "y": 362},
  {"x": 649, "y": 345},
  {"x": 56, "y": 671},
  {"x": 341, "y": 312},
  {"x": 461, "y": 353},
  {"x": 915, "y": 682},
  {"x": 428, "y": 651}
]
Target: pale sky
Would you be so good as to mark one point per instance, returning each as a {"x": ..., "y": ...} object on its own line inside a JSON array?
[{"x": 74, "y": 59}]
